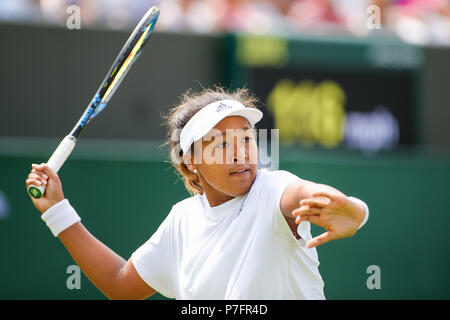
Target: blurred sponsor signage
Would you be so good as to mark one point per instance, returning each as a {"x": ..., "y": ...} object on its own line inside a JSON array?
[{"x": 332, "y": 93}]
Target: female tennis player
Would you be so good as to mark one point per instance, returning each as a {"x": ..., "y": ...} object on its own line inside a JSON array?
[{"x": 243, "y": 234}]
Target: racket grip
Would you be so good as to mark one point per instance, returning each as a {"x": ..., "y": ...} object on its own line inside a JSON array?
[{"x": 55, "y": 162}]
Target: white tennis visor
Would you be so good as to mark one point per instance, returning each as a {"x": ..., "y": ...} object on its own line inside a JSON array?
[{"x": 205, "y": 119}]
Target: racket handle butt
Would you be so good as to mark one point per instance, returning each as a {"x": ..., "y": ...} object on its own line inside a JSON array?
[{"x": 36, "y": 191}]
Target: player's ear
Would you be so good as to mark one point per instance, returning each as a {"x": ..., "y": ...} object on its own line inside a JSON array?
[{"x": 187, "y": 159}]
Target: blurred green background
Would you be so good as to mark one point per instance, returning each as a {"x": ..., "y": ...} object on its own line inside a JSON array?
[{"x": 121, "y": 184}]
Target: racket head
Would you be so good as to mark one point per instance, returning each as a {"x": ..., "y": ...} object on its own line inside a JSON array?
[
  {"x": 131, "y": 52},
  {"x": 120, "y": 67}
]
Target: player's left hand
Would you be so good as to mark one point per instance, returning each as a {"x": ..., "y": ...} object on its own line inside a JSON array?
[{"x": 335, "y": 212}]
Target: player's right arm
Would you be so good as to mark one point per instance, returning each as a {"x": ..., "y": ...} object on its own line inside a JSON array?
[{"x": 109, "y": 272}]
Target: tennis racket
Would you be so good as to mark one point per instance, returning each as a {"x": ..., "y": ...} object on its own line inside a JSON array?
[{"x": 127, "y": 56}]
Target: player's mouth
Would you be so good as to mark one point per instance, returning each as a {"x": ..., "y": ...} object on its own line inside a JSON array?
[{"x": 241, "y": 171}]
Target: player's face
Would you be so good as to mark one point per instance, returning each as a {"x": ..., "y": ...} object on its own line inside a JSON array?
[{"x": 229, "y": 159}]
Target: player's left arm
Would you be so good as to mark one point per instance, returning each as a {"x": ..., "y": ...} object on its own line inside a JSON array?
[{"x": 323, "y": 205}]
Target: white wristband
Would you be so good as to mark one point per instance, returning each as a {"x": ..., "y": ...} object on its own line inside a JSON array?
[
  {"x": 366, "y": 209},
  {"x": 60, "y": 216}
]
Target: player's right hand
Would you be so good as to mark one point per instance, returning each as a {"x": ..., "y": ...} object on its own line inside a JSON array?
[{"x": 41, "y": 174}]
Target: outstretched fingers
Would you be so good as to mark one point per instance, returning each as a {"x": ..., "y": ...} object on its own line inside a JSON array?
[
  {"x": 307, "y": 213},
  {"x": 314, "y": 218},
  {"x": 306, "y": 210},
  {"x": 321, "y": 239},
  {"x": 324, "y": 194},
  {"x": 319, "y": 202}
]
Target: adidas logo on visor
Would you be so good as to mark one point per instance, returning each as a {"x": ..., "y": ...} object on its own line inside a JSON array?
[{"x": 222, "y": 107}]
